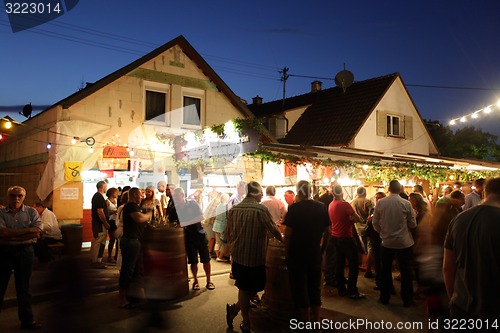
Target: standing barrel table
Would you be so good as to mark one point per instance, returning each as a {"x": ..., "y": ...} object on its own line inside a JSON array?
[
  {"x": 72, "y": 237},
  {"x": 165, "y": 265},
  {"x": 277, "y": 298}
]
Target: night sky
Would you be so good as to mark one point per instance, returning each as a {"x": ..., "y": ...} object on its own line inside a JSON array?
[{"x": 430, "y": 43}]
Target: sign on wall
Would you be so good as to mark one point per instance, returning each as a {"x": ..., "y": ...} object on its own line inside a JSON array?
[{"x": 73, "y": 171}]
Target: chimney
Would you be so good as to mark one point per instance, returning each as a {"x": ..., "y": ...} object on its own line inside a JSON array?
[
  {"x": 257, "y": 100},
  {"x": 316, "y": 86}
]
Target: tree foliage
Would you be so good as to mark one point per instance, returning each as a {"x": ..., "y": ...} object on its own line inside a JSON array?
[{"x": 466, "y": 142}]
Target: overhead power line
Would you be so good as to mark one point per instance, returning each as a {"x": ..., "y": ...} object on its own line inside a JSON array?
[{"x": 451, "y": 87}]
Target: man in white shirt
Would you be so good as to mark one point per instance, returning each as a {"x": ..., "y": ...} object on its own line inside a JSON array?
[
  {"x": 275, "y": 206},
  {"x": 393, "y": 219},
  {"x": 50, "y": 234},
  {"x": 237, "y": 197}
]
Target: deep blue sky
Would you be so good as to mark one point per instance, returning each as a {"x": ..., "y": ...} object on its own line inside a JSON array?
[{"x": 433, "y": 43}]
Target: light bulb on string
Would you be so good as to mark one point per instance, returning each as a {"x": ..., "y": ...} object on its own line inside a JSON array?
[
  {"x": 49, "y": 145},
  {"x": 91, "y": 149},
  {"x": 475, "y": 115}
]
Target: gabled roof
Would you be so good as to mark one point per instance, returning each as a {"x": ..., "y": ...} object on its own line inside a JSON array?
[
  {"x": 188, "y": 50},
  {"x": 336, "y": 116}
]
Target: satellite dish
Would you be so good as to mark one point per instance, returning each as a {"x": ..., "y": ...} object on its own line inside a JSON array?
[
  {"x": 344, "y": 79},
  {"x": 27, "y": 109}
]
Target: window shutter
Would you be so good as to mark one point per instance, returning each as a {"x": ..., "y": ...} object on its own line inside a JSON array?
[
  {"x": 408, "y": 127},
  {"x": 381, "y": 123}
]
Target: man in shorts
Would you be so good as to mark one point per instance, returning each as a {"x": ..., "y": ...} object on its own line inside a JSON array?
[
  {"x": 248, "y": 225},
  {"x": 190, "y": 217}
]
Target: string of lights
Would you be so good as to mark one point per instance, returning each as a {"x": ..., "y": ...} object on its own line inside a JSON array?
[
  {"x": 476, "y": 114},
  {"x": 90, "y": 142}
]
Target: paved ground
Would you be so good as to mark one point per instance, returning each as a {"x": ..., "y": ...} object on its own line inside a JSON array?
[{"x": 69, "y": 283}]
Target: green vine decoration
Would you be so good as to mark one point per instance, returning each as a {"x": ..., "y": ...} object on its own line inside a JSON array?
[
  {"x": 374, "y": 171},
  {"x": 218, "y": 129},
  {"x": 369, "y": 171},
  {"x": 177, "y": 142},
  {"x": 241, "y": 124}
]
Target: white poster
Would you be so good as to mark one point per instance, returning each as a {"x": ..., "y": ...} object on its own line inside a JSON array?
[{"x": 69, "y": 193}]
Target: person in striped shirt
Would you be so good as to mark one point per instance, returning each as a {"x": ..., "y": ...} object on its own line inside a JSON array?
[{"x": 248, "y": 226}]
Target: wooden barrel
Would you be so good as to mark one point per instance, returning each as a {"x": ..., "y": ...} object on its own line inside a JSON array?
[
  {"x": 86, "y": 222},
  {"x": 165, "y": 265},
  {"x": 72, "y": 235},
  {"x": 277, "y": 298}
]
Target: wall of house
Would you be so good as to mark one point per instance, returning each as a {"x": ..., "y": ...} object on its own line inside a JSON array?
[
  {"x": 293, "y": 115},
  {"x": 26, "y": 143},
  {"x": 395, "y": 101},
  {"x": 121, "y": 106},
  {"x": 27, "y": 177},
  {"x": 121, "y": 103}
]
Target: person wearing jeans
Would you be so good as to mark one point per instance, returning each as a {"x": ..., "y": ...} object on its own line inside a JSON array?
[
  {"x": 343, "y": 217},
  {"x": 394, "y": 219},
  {"x": 134, "y": 223},
  {"x": 20, "y": 226}
]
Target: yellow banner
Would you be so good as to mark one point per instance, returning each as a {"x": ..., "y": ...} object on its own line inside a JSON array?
[{"x": 72, "y": 171}]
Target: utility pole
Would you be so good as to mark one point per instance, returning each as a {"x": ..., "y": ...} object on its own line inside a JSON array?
[{"x": 284, "y": 77}]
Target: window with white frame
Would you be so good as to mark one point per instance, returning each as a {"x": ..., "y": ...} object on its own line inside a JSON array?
[
  {"x": 394, "y": 125},
  {"x": 192, "y": 104},
  {"x": 156, "y": 105}
]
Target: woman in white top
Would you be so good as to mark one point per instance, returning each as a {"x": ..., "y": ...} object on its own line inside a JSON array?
[{"x": 151, "y": 203}]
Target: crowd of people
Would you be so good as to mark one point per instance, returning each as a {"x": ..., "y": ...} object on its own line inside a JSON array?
[{"x": 444, "y": 251}]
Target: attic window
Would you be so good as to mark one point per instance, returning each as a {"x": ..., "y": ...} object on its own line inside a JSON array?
[
  {"x": 155, "y": 105},
  {"x": 193, "y": 101},
  {"x": 191, "y": 111},
  {"x": 393, "y": 126}
]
